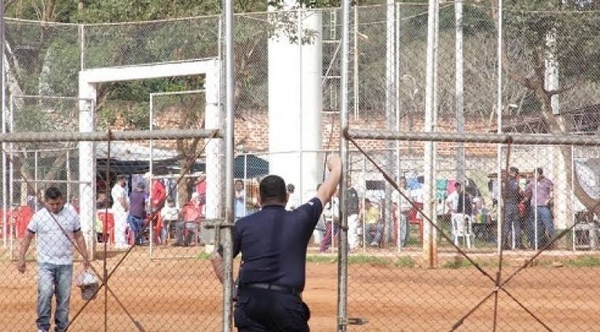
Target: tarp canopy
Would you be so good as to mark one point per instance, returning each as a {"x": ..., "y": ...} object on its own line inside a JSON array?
[{"x": 131, "y": 158}]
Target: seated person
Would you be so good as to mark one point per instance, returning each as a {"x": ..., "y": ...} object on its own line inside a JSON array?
[
  {"x": 373, "y": 226},
  {"x": 170, "y": 215},
  {"x": 192, "y": 215}
]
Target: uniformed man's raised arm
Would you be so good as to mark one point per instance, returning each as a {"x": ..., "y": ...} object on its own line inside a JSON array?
[{"x": 328, "y": 188}]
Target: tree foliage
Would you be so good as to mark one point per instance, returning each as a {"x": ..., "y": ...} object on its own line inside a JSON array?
[{"x": 567, "y": 31}]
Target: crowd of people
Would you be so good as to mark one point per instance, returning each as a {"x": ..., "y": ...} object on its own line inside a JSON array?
[
  {"x": 272, "y": 234},
  {"x": 528, "y": 220},
  {"x": 150, "y": 204},
  {"x": 527, "y": 208}
]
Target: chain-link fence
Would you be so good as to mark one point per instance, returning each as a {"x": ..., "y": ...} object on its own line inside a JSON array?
[{"x": 507, "y": 253}]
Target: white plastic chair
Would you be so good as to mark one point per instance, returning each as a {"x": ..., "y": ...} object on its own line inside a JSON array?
[{"x": 462, "y": 227}]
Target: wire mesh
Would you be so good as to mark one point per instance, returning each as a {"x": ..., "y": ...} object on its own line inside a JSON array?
[{"x": 503, "y": 267}]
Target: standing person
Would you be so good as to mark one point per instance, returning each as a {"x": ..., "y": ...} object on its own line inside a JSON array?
[
  {"x": 352, "y": 209},
  {"x": 541, "y": 193},
  {"x": 158, "y": 194},
  {"x": 239, "y": 205},
  {"x": 137, "y": 212},
  {"x": 119, "y": 209},
  {"x": 331, "y": 220},
  {"x": 459, "y": 201},
  {"x": 401, "y": 207},
  {"x": 54, "y": 226},
  {"x": 273, "y": 243},
  {"x": 512, "y": 223}
]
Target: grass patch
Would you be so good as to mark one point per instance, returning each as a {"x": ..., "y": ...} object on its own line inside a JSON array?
[
  {"x": 461, "y": 262},
  {"x": 321, "y": 259},
  {"x": 404, "y": 262},
  {"x": 583, "y": 261},
  {"x": 204, "y": 256},
  {"x": 372, "y": 260}
]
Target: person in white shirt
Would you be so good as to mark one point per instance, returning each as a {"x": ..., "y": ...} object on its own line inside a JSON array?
[
  {"x": 169, "y": 215},
  {"x": 459, "y": 201},
  {"x": 55, "y": 227},
  {"x": 120, "y": 210}
]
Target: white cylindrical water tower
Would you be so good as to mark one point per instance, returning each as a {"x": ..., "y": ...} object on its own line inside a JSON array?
[{"x": 295, "y": 98}]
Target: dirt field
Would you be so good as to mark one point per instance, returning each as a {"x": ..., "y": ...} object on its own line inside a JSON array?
[{"x": 173, "y": 293}]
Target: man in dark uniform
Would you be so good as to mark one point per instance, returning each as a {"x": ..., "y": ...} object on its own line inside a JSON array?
[
  {"x": 512, "y": 223},
  {"x": 273, "y": 244}
]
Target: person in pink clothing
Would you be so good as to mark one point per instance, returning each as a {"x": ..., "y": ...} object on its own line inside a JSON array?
[{"x": 192, "y": 214}]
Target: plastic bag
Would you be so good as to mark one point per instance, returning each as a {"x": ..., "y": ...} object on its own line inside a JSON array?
[{"x": 88, "y": 284}]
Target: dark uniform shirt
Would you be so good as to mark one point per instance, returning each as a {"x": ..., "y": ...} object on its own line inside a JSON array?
[
  {"x": 273, "y": 243},
  {"x": 513, "y": 194},
  {"x": 137, "y": 204}
]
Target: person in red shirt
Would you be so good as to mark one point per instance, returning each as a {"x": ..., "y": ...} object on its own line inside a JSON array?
[
  {"x": 192, "y": 214},
  {"x": 158, "y": 193}
]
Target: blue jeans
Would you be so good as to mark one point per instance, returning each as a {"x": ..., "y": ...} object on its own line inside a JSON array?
[
  {"x": 545, "y": 225},
  {"x": 54, "y": 279},
  {"x": 403, "y": 236},
  {"x": 135, "y": 226},
  {"x": 511, "y": 219}
]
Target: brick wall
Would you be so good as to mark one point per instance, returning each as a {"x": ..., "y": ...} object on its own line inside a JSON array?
[{"x": 252, "y": 130}]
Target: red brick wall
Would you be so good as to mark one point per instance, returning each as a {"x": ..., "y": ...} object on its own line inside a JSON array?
[{"x": 252, "y": 130}]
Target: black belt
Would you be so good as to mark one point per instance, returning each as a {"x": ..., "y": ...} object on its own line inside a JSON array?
[{"x": 277, "y": 288}]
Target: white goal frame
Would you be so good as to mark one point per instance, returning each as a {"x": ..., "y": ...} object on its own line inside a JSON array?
[{"x": 90, "y": 78}]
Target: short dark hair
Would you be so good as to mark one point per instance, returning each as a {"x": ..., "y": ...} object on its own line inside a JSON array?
[
  {"x": 52, "y": 193},
  {"x": 238, "y": 181},
  {"x": 271, "y": 188},
  {"x": 513, "y": 170},
  {"x": 540, "y": 171},
  {"x": 121, "y": 177}
]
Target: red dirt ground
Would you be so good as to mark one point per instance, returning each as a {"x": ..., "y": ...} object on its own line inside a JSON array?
[{"x": 174, "y": 293}]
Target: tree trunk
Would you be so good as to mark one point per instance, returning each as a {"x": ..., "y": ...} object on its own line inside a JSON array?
[{"x": 557, "y": 125}]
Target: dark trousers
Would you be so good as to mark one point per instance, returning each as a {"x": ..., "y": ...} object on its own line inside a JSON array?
[{"x": 261, "y": 310}]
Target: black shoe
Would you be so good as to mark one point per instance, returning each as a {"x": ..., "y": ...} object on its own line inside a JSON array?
[{"x": 177, "y": 244}]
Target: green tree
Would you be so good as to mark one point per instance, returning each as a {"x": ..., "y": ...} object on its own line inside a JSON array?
[{"x": 568, "y": 31}]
